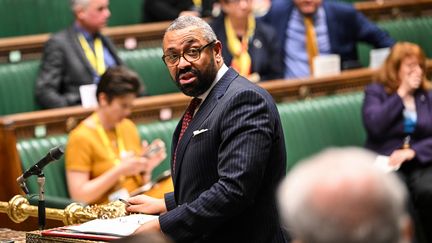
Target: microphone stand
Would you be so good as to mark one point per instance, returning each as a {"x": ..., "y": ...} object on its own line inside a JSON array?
[{"x": 41, "y": 202}]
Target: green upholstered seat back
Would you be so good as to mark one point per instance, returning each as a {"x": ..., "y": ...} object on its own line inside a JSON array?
[
  {"x": 31, "y": 151},
  {"x": 312, "y": 125},
  {"x": 164, "y": 131},
  {"x": 17, "y": 82},
  {"x": 147, "y": 62},
  {"x": 125, "y": 12},
  {"x": 416, "y": 30},
  {"x": 28, "y": 17}
]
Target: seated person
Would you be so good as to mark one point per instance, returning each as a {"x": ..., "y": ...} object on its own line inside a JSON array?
[
  {"x": 163, "y": 10},
  {"x": 397, "y": 115},
  {"x": 338, "y": 196},
  {"x": 248, "y": 45},
  {"x": 104, "y": 156},
  {"x": 307, "y": 28},
  {"x": 75, "y": 56}
]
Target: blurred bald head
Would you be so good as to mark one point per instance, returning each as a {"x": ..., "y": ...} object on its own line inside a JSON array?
[{"x": 338, "y": 196}]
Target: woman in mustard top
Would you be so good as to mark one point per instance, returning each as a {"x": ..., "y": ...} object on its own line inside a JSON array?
[{"x": 104, "y": 156}]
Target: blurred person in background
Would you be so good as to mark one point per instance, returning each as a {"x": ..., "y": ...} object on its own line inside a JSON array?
[
  {"x": 75, "y": 56},
  {"x": 248, "y": 44},
  {"x": 308, "y": 28},
  {"x": 339, "y": 196},
  {"x": 105, "y": 159},
  {"x": 163, "y": 10},
  {"x": 397, "y": 115}
]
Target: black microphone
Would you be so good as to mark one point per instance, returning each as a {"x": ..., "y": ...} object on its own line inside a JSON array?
[{"x": 54, "y": 154}]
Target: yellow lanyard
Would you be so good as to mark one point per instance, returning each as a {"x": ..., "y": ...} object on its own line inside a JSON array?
[
  {"x": 95, "y": 58},
  {"x": 102, "y": 134},
  {"x": 239, "y": 49},
  {"x": 197, "y": 3}
]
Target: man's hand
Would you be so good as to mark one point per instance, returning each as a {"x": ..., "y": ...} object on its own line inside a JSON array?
[
  {"x": 146, "y": 204},
  {"x": 151, "y": 226}
]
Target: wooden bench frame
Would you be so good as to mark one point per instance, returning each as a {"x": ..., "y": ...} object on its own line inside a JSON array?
[
  {"x": 150, "y": 34},
  {"x": 147, "y": 109}
]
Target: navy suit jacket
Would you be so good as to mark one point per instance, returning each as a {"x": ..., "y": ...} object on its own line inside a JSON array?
[
  {"x": 225, "y": 178},
  {"x": 64, "y": 69},
  {"x": 383, "y": 120},
  {"x": 346, "y": 27},
  {"x": 263, "y": 49}
]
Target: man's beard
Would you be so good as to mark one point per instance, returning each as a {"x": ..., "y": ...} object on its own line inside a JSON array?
[{"x": 202, "y": 82}]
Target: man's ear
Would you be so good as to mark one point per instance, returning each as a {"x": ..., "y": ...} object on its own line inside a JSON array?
[{"x": 218, "y": 51}]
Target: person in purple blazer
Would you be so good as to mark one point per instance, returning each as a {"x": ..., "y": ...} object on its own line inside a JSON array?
[{"x": 397, "y": 115}]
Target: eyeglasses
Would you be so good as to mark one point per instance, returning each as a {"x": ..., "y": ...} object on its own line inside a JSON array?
[{"x": 190, "y": 55}]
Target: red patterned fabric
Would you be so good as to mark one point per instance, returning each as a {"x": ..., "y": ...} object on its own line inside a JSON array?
[{"x": 187, "y": 118}]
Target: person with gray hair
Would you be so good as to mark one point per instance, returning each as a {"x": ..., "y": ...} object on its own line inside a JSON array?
[
  {"x": 75, "y": 56},
  {"x": 228, "y": 153},
  {"x": 339, "y": 196}
]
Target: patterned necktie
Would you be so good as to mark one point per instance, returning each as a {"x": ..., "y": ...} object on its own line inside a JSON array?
[
  {"x": 311, "y": 41},
  {"x": 187, "y": 118}
]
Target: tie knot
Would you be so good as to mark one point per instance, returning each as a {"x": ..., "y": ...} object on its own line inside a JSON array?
[{"x": 194, "y": 104}]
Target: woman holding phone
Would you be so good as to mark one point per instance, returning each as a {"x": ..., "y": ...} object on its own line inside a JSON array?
[{"x": 105, "y": 159}]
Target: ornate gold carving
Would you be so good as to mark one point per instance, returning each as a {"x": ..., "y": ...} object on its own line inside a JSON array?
[{"x": 19, "y": 209}]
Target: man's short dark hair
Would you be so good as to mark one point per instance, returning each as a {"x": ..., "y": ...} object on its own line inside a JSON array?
[{"x": 118, "y": 81}]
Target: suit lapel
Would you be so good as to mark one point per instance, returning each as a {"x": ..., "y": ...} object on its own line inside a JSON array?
[
  {"x": 331, "y": 23},
  {"x": 204, "y": 111}
]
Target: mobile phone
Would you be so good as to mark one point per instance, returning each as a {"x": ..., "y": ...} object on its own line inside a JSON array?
[
  {"x": 152, "y": 150},
  {"x": 125, "y": 202}
]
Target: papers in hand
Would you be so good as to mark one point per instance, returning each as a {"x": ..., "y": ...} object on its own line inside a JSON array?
[
  {"x": 121, "y": 226},
  {"x": 383, "y": 162}
]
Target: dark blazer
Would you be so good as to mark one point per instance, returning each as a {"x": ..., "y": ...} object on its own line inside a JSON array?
[
  {"x": 263, "y": 49},
  {"x": 346, "y": 27},
  {"x": 383, "y": 120},
  {"x": 162, "y": 10},
  {"x": 64, "y": 68},
  {"x": 225, "y": 178}
]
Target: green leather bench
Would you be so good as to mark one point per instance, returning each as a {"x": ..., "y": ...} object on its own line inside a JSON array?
[
  {"x": 27, "y": 17},
  {"x": 309, "y": 126},
  {"x": 315, "y": 124},
  {"x": 416, "y": 30},
  {"x": 17, "y": 80},
  {"x": 57, "y": 196},
  {"x": 147, "y": 62}
]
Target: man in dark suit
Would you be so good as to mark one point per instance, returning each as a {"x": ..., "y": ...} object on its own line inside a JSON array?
[
  {"x": 75, "y": 56},
  {"x": 337, "y": 26},
  {"x": 229, "y": 160}
]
